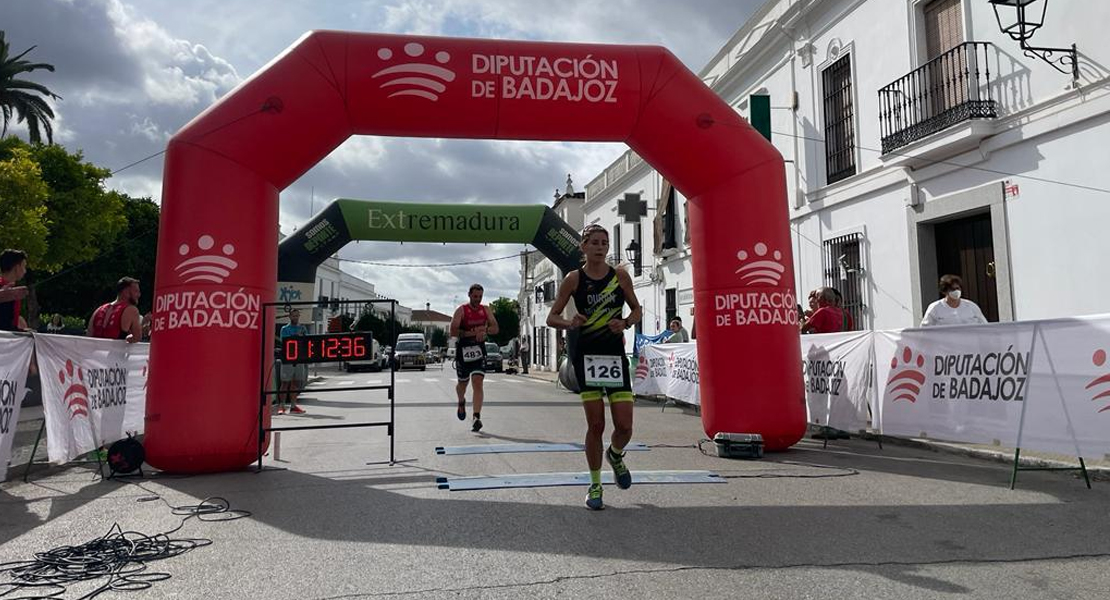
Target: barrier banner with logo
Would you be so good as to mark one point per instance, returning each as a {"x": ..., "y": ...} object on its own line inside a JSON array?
[
  {"x": 643, "y": 340},
  {"x": 837, "y": 374},
  {"x": 94, "y": 392},
  {"x": 964, "y": 383},
  {"x": 670, "y": 370},
  {"x": 15, "y": 359},
  {"x": 1067, "y": 407}
]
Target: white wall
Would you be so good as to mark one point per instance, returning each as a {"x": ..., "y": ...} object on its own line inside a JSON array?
[{"x": 1048, "y": 134}]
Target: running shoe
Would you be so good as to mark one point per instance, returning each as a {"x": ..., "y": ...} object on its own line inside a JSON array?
[
  {"x": 296, "y": 410},
  {"x": 477, "y": 426},
  {"x": 593, "y": 497},
  {"x": 620, "y": 472},
  {"x": 461, "y": 414}
]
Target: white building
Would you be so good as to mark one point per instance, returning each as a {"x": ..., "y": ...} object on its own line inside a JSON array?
[
  {"x": 919, "y": 140},
  {"x": 539, "y": 281},
  {"x": 333, "y": 282},
  {"x": 430, "y": 320}
]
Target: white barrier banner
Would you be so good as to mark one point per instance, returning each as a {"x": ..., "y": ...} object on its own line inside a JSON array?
[
  {"x": 963, "y": 383},
  {"x": 94, "y": 392},
  {"x": 15, "y": 359},
  {"x": 837, "y": 374},
  {"x": 1067, "y": 407},
  {"x": 670, "y": 370}
]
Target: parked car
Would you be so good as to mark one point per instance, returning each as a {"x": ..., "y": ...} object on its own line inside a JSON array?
[
  {"x": 410, "y": 352},
  {"x": 494, "y": 361},
  {"x": 376, "y": 361}
]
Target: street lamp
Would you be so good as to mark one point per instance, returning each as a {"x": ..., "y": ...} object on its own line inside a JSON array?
[
  {"x": 1023, "y": 22},
  {"x": 632, "y": 252}
]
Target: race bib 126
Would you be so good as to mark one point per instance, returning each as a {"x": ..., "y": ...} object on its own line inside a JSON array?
[{"x": 603, "y": 371}]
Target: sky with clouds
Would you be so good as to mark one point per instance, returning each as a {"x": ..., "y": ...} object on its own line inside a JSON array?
[{"x": 132, "y": 72}]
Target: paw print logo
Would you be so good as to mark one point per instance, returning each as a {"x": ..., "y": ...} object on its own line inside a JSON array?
[
  {"x": 76, "y": 395},
  {"x": 907, "y": 378},
  {"x": 421, "y": 79},
  {"x": 761, "y": 266},
  {"x": 211, "y": 265},
  {"x": 1099, "y": 360}
]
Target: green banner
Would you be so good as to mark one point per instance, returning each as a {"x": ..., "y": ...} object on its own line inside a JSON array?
[{"x": 471, "y": 223}]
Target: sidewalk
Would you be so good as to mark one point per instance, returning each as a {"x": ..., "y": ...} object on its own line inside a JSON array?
[
  {"x": 550, "y": 376},
  {"x": 1097, "y": 467}
]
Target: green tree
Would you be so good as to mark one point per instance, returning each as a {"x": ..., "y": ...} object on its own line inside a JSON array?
[
  {"x": 439, "y": 338},
  {"x": 380, "y": 327},
  {"x": 23, "y": 196},
  {"x": 79, "y": 290},
  {"x": 82, "y": 218},
  {"x": 507, "y": 313},
  {"x": 25, "y": 99}
]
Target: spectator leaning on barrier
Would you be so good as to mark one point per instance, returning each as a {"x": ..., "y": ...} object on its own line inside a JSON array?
[
  {"x": 55, "y": 325},
  {"x": 828, "y": 318},
  {"x": 807, "y": 313},
  {"x": 120, "y": 318},
  {"x": 678, "y": 332},
  {"x": 849, "y": 324},
  {"x": 13, "y": 265},
  {"x": 952, "y": 308}
]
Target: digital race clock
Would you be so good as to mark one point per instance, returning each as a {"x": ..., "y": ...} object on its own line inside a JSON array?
[{"x": 326, "y": 347}]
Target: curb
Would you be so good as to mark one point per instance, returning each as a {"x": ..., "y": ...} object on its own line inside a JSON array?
[{"x": 1095, "y": 472}]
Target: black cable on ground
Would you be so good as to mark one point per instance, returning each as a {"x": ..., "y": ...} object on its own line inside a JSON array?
[
  {"x": 120, "y": 557},
  {"x": 845, "y": 471}
]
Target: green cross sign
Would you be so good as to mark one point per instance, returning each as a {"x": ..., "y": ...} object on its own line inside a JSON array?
[{"x": 632, "y": 208}]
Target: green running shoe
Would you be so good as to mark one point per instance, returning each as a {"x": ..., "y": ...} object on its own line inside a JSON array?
[
  {"x": 620, "y": 472},
  {"x": 593, "y": 497}
]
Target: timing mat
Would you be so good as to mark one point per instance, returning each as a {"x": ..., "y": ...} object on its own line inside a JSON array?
[{"x": 533, "y": 480}]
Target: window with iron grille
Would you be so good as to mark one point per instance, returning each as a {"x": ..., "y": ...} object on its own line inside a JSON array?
[
  {"x": 670, "y": 222},
  {"x": 637, "y": 234},
  {"x": 844, "y": 273},
  {"x": 540, "y": 343},
  {"x": 840, "y": 145},
  {"x": 549, "y": 291},
  {"x": 672, "y": 305}
]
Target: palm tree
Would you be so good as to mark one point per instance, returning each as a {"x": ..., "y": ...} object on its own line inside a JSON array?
[{"x": 24, "y": 98}]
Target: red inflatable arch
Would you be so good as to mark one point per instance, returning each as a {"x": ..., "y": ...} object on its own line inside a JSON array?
[{"x": 224, "y": 171}]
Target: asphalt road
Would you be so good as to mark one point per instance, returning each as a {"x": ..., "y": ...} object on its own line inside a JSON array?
[{"x": 868, "y": 523}]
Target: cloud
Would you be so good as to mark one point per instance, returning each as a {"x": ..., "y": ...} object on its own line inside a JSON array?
[{"x": 127, "y": 84}]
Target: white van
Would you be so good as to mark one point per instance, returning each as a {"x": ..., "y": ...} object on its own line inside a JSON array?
[
  {"x": 376, "y": 361},
  {"x": 410, "y": 351}
]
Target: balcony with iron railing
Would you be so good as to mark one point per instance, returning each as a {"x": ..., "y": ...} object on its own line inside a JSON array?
[{"x": 950, "y": 89}]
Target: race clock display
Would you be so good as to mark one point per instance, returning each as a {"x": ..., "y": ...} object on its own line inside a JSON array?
[{"x": 326, "y": 347}]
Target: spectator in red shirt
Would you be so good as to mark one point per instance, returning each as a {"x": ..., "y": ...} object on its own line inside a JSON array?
[
  {"x": 13, "y": 265},
  {"x": 828, "y": 318},
  {"x": 849, "y": 323}
]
